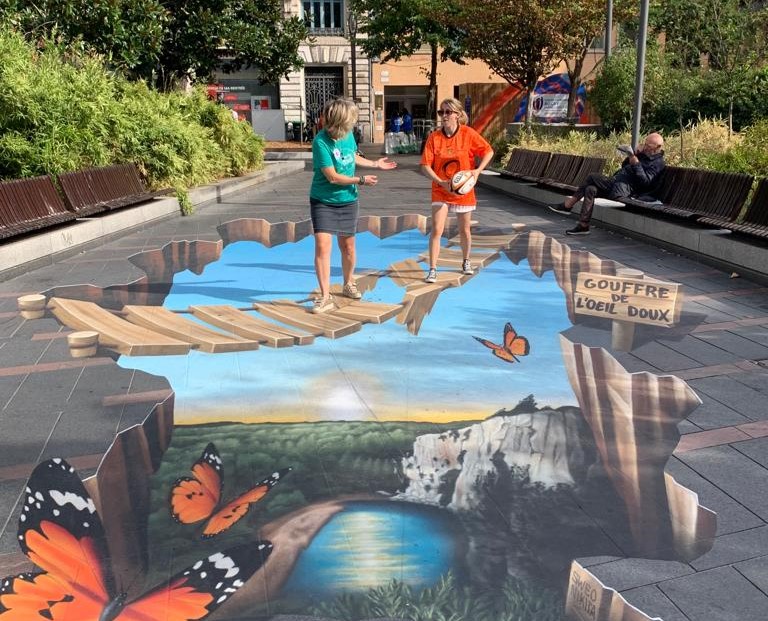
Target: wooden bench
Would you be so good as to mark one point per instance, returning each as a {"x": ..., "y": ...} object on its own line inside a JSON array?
[
  {"x": 575, "y": 172},
  {"x": 526, "y": 164},
  {"x": 562, "y": 171},
  {"x": 696, "y": 193},
  {"x": 94, "y": 190},
  {"x": 755, "y": 220},
  {"x": 30, "y": 204}
]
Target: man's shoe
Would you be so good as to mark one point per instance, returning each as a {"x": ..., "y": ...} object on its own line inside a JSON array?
[
  {"x": 578, "y": 230},
  {"x": 322, "y": 305},
  {"x": 431, "y": 275},
  {"x": 466, "y": 267},
  {"x": 350, "y": 290},
  {"x": 561, "y": 208}
]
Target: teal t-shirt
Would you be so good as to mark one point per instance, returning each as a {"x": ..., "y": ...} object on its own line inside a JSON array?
[{"x": 341, "y": 155}]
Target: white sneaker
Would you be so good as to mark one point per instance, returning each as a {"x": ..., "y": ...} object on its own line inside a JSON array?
[
  {"x": 350, "y": 290},
  {"x": 466, "y": 267},
  {"x": 431, "y": 275},
  {"x": 322, "y": 305}
]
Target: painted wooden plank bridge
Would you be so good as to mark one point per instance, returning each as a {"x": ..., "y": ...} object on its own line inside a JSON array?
[{"x": 155, "y": 330}]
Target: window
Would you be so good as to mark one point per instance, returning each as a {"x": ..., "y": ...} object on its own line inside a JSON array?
[{"x": 324, "y": 16}]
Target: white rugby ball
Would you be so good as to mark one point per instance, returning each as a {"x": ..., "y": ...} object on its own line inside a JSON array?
[{"x": 462, "y": 182}]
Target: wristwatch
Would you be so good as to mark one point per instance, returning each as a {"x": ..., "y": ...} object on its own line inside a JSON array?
[{"x": 362, "y": 180}]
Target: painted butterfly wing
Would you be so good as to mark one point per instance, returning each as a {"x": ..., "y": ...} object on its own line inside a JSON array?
[
  {"x": 30, "y": 596},
  {"x": 514, "y": 344},
  {"x": 504, "y": 355},
  {"x": 61, "y": 533},
  {"x": 195, "y": 498},
  {"x": 197, "y": 591},
  {"x": 487, "y": 343},
  {"x": 235, "y": 510}
]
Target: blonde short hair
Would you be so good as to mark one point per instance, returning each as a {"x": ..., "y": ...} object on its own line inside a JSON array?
[
  {"x": 455, "y": 105},
  {"x": 340, "y": 116}
]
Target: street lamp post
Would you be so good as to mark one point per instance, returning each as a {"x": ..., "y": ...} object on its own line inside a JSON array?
[
  {"x": 608, "y": 26},
  {"x": 642, "y": 34}
]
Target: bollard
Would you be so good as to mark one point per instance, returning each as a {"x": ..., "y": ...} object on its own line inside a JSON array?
[{"x": 83, "y": 344}]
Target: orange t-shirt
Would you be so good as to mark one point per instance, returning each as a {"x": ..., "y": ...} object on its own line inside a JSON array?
[{"x": 447, "y": 156}]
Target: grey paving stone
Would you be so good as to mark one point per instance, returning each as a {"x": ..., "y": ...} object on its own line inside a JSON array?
[
  {"x": 10, "y": 492},
  {"x": 736, "y": 344},
  {"x": 687, "y": 426},
  {"x": 731, "y": 516},
  {"x": 756, "y": 449},
  {"x": 590, "y": 561},
  {"x": 700, "y": 351},
  {"x": 664, "y": 358},
  {"x": 757, "y": 379},
  {"x": 629, "y": 573},
  {"x": 712, "y": 315},
  {"x": 720, "y": 594},
  {"x": 733, "y": 394},
  {"x": 756, "y": 571},
  {"x": 654, "y": 603},
  {"x": 732, "y": 306},
  {"x": 734, "y": 473},
  {"x": 712, "y": 414},
  {"x": 735, "y": 547}
]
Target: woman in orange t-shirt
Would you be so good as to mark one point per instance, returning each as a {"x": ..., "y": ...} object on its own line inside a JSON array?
[{"x": 450, "y": 149}]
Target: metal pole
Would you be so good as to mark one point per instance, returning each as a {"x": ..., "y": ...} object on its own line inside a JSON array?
[
  {"x": 642, "y": 34},
  {"x": 608, "y": 27}
]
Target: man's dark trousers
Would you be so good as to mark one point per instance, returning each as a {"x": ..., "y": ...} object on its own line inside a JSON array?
[{"x": 602, "y": 187}]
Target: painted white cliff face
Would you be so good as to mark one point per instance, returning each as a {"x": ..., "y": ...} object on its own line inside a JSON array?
[{"x": 548, "y": 443}]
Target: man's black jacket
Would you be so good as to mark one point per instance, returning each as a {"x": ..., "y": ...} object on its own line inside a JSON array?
[{"x": 640, "y": 176}]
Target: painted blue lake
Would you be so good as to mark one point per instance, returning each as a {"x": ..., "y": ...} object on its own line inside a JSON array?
[{"x": 369, "y": 544}]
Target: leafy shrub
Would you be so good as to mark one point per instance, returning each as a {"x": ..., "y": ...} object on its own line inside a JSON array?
[{"x": 63, "y": 111}]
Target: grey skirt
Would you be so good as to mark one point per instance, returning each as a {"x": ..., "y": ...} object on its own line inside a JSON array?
[{"x": 334, "y": 219}]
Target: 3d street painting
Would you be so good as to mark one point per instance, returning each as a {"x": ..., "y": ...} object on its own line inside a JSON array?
[{"x": 433, "y": 451}]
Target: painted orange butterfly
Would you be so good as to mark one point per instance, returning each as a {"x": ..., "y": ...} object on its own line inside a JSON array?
[
  {"x": 512, "y": 347},
  {"x": 61, "y": 532},
  {"x": 196, "y": 498}
]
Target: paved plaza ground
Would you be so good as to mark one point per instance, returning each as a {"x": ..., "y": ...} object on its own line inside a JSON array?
[{"x": 53, "y": 405}]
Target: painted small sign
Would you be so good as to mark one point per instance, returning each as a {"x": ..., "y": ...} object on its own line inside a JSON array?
[{"x": 635, "y": 300}]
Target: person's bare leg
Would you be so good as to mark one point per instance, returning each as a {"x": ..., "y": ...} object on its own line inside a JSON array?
[
  {"x": 439, "y": 216},
  {"x": 465, "y": 233},
  {"x": 348, "y": 256},
  {"x": 323, "y": 263}
]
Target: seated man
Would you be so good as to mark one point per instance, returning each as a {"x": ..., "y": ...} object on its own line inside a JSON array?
[{"x": 636, "y": 175}]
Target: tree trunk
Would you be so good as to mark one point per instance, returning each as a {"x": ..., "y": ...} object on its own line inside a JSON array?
[
  {"x": 432, "y": 92},
  {"x": 529, "y": 107},
  {"x": 573, "y": 77},
  {"x": 730, "y": 117}
]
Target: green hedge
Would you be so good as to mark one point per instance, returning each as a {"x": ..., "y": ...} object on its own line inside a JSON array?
[{"x": 62, "y": 111}]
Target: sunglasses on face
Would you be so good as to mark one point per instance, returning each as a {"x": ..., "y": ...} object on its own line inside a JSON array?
[{"x": 445, "y": 112}]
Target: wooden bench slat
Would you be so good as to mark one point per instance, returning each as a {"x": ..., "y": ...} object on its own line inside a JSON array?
[{"x": 28, "y": 205}]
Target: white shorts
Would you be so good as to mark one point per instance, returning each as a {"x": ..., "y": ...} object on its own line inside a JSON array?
[{"x": 454, "y": 208}]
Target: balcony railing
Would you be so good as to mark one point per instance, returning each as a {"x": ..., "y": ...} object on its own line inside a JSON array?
[{"x": 327, "y": 32}]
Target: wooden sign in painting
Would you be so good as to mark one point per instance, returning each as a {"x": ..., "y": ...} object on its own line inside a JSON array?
[{"x": 627, "y": 299}]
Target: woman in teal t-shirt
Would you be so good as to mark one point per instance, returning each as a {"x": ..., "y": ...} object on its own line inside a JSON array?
[{"x": 333, "y": 197}]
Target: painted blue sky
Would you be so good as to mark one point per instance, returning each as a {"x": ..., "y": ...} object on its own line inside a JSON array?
[{"x": 381, "y": 372}]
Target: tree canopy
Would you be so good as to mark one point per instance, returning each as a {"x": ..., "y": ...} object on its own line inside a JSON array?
[
  {"x": 165, "y": 40},
  {"x": 400, "y": 28}
]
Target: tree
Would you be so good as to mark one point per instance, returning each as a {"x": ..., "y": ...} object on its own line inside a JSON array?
[
  {"x": 397, "y": 29},
  {"x": 128, "y": 33},
  {"x": 580, "y": 23},
  {"x": 727, "y": 37},
  {"x": 166, "y": 40},
  {"x": 518, "y": 39},
  {"x": 248, "y": 33}
]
